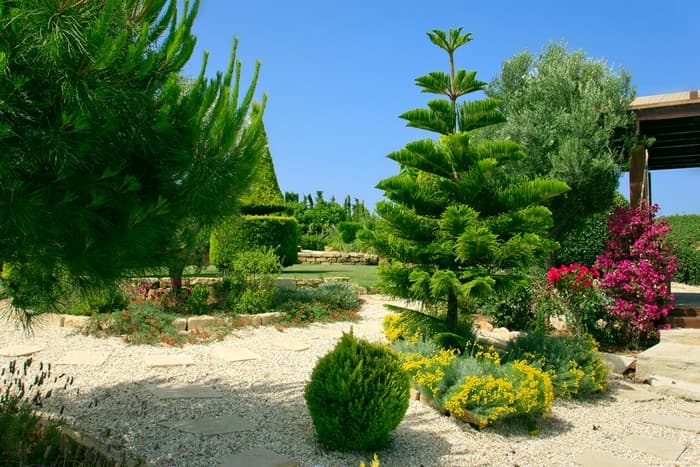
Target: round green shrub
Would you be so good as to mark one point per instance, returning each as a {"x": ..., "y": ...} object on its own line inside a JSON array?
[
  {"x": 348, "y": 230},
  {"x": 357, "y": 395},
  {"x": 246, "y": 233}
]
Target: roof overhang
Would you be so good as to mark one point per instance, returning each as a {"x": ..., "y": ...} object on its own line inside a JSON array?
[{"x": 673, "y": 121}]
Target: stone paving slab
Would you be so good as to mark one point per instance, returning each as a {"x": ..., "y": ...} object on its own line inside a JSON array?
[
  {"x": 20, "y": 350},
  {"x": 288, "y": 343},
  {"x": 617, "y": 363},
  {"x": 690, "y": 407},
  {"x": 596, "y": 458},
  {"x": 674, "y": 421},
  {"x": 84, "y": 357},
  {"x": 664, "y": 448},
  {"x": 212, "y": 425},
  {"x": 256, "y": 457},
  {"x": 637, "y": 394},
  {"x": 169, "y": 360},
  {"x": 184, "y": 391},
  {"x": 234, "y": 354}
]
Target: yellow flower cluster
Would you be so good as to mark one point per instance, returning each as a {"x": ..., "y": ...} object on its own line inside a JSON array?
[
  {"x": 427, "y": 372},
  {"x": 514, "y": 389},
  {"x": 395, "y": 328},
  {"x": 486, "y": 397},
  {"x": 534, "y": 392}
]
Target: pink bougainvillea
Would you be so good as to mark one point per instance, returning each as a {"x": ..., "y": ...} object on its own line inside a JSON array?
[{"x": 636, "y": 268}]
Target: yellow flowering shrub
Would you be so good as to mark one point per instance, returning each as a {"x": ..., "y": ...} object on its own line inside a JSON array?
[
  {"x": 393, "y": 328},
  {"x": 513, "y": 389},
  {"x": 426, "y": 373},
  {"x": 482, "y": 399}
]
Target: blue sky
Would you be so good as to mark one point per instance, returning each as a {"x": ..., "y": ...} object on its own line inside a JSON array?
[{"x": 338, "y": 74}]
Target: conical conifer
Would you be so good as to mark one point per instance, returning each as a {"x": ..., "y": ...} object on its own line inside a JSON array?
[{"x": 458, "y": 223}]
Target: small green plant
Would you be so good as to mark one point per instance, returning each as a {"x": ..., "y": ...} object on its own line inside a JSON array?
[
  {"x": 146, "y": 324},
  {"x": 575, "y": 368},
  {"x": 196, "y": 302},
  {"x": 251, "y": 277},
  {"x": 357, "y": 395},
  {"x": 29, "y": 439}
]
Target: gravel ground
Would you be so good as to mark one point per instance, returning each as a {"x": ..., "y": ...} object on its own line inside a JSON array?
[{"x": 111, "y": 403}]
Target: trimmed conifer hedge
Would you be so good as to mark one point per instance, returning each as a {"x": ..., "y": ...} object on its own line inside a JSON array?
[
  {"x": 685, "y": 244},
  {"x": 246, "y": 233}
]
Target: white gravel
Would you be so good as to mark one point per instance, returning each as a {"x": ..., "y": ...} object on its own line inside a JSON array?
[{"x": 113, "y": 405}]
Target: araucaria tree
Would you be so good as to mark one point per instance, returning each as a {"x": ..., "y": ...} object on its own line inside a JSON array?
[
  {"x": 459, "y": 223},
  {"x": 110, "y": 160}
]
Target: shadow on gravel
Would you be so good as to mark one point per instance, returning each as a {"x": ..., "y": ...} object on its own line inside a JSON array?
[{"x": 129, "y": 419}]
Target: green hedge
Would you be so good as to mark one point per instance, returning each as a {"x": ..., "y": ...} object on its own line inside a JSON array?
[
  {"x": 685, "y": 244},
  {"x": 251, "y": 232}
]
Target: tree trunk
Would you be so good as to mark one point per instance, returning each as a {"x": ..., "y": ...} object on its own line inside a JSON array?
[
  {"x": 452, "y": 312},
  {"x": 175, "y": 273}
]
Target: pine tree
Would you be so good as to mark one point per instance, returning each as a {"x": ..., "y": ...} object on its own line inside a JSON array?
[
  {"x": 110, "y": 162},
  {"x": 458, "y": 223}
]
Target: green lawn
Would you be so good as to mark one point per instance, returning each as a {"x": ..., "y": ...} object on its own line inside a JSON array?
[{"x": 364, "y": 276}]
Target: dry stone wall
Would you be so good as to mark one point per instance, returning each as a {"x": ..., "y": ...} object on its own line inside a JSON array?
[{"x": 336, "y": 257}]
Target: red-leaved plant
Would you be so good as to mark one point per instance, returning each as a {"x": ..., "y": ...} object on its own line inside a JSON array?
[{"x": 636, "y": 268}]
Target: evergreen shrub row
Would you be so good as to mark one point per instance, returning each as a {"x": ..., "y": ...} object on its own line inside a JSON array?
[
  {"x": 684, "y": 239},
  {"x": 244, "y": 233}
]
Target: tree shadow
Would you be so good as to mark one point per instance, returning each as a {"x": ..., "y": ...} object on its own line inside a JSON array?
[{"x": 277, "y": 412}]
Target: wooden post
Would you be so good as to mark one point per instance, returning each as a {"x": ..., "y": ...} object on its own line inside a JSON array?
[{"x": 637, "y": 175}]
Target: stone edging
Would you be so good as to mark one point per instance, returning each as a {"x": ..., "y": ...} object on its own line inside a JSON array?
[{"x": 182, "y": 324}]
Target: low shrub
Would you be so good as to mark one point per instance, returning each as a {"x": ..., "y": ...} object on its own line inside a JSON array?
[
  {"x": 477, "y": 389},
  {"x": 573, "y": 291},
  {"x": 357, "y": 395},
  {"x": 311, "y": 242},
  {"x": 196, "y": 302},
  {"x": 348, "y": 230},
  {"x": 684, "y": 240},
  {"x": 239, "y": 234},
  {"x": 250, "y": 281},
  {"x": 512, "y": 309},
  {"x": 146, "y": 324},
  {"x": 513, "y": 389},
  {"x": 330, "y": 301},
  {"x": 574, "y": 366},
  {"x": 26, "y": 438}
]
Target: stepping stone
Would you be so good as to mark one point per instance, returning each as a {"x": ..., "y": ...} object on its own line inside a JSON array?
[
  {"x": 234, "y": 354},
  {"x": 663, "y": 448},
  {"x": 674, "y": 421},
  {"x": 288, "y": 343},
  {"x": 591, "y": 458},
  {"x": 20, "y": 350},
  {"x": 84, "y": 357},
  {"x": 326, "y": 333},
  {"x": 169, "y": 360},
  {"x": 690, "y": 408},
  {"x": 617, "y": 363},
  {"x": 637, "y": 394},
  {"x": 256, "y": 457},
  {"x": 212, "y": 425},
  {"x": 184, "y": 391}
]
